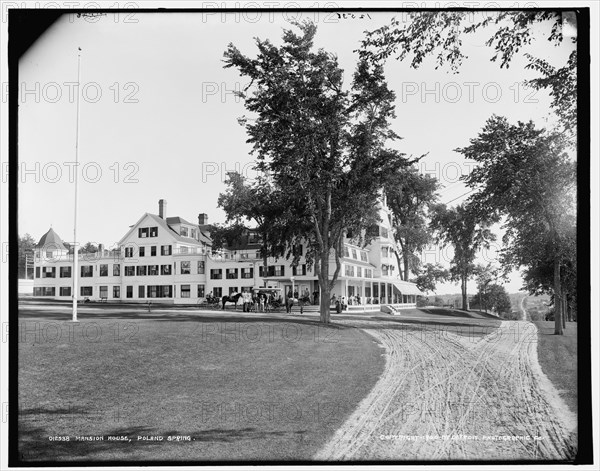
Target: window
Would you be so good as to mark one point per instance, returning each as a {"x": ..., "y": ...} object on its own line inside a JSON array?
[
  {"x": 65, "y": 272},
  {"x": 299, "y": 270},
  {"x": 233, "y": 290},
  {"x": 48, "y": 272},
  {"x": 143, "y": 232},
  {"x": 270, "y": 270},
  {"x": 166, "y": 249},
  {"x": 184, "y": 231},
  {"x": 48, "y": 253},
  {"x": 87, "y": 271},
  {"x": 257, "y": 254},
  {"x": 354, "y": 254},
  {"x": 129, "y": 270},
  {"x": 154, "y": 232},
  {"x": 247, "y": 273},
  {"x": 279, "y": 270},
  {"x": 44, "y": 291},
  {"x": 65, "y": 291},
  {"x": 216, "y": 274},
  {"x": 103, "y": 270},
  {"x": 141, "y": 292},
  {"x": 140, "y": 270},
  {"x": 183, "y": 249},
  {"x": 129, "y": 291},
  {"x": 86, "y": 290},
  {"x": 116, "y": 269},
  {"x": 297, "y": 249},
  {"x": 185, "y": 291},
  {"x": 128, "y": 252},
  {"x": 363, "y": 256},
  {"x": 193, "y": 233},
  {"x": 346, "y": 252},
  {"x": 217, "y": 292},
  {"x": 185, "y": 268},
  {"x": 37, "y": 272},
  {"x": 201, "y": 267},
  {"x": 160, "y": 291},
  {"x": 244, "y": 256},
  {"x": 116, "y": 291},
  {"x": 232, "y": 273},
  {"x": 368, "y": 273},
  {"x": 165, "y": 269},
  {"x": 142, "y": 251},
  {"x": 358, "y": 271},
  {"x": 152, "y": 270},
  {"x": 349, "y": 270},
  {"x": 200, "y": 291},
  {"x": 383, "y": 232},
  {"x": 153, "y": 251},
  {"x": 103, "y": 292}
]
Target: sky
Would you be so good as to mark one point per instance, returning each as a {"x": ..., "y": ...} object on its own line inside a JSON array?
[{"x": 158, "y": 119}]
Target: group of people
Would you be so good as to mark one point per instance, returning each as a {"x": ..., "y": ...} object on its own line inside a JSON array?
[
  {"x": 345, "y": 301},
  {"x": 257, "y": 301}
]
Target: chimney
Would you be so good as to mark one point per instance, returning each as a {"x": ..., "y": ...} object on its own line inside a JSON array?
[
  {"x": 202, "y": 219},
  {"x": 162, "y": 209},
  {"x": 101, "y": 249}
]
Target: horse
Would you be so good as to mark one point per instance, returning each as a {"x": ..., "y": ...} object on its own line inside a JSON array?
[{"x": 231, "y": 299}]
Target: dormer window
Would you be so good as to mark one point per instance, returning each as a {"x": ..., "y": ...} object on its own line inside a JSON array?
[{"x": 184, "y": 231}]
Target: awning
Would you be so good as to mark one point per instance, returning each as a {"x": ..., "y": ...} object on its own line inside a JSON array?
[{"x": 406, "y": 287}]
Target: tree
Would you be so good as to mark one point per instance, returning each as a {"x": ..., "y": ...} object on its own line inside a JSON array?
[
  {"x": 441, "y": 33},
  {"x": 322, "y": 147},
  {"x": 467, "y": 232},
  {"x": 88, "y": 248},
  {"x": 429, "y": 275},
  {"x": 26, "y": 248},
  {"x": 258, "y": 202},
  {"x": 409, "y": 195},
  {"x": 493, "y": 297},
  {"x": 525, "y": 175}
]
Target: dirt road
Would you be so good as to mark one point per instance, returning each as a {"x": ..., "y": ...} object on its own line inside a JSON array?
[{"x": 444, "y": 396}]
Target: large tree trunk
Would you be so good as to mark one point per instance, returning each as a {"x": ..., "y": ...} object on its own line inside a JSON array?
[
  {"x": 463, "y": 290},
  {"x": 324, "y": 288},
  {"x": 406, "y": 266},
  {"x": 399, "y": 261},
  {"x": 558, "y": 324}
]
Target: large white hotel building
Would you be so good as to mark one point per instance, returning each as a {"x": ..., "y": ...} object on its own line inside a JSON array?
[{"x": 169, "y": 260}]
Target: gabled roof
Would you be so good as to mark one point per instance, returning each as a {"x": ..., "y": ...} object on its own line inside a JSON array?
[
  {"x": 52, "y": 239},
  {"x": 164, "y": 225}
]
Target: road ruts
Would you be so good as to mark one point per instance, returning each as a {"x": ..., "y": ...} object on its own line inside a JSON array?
[{"x": 476, "y": 392}]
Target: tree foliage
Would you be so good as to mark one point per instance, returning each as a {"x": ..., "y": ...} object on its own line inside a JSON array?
[
  {"x": 441, "y": 34},
  {"x": 409, "y": 196},
  {"x": 26, "y": 247},
  {"x": 493, "y": 297},
  {"x": 322, "y": 146},
  {"x": 467, "y": 231},
  {"x": 526, "y": 176},
  {"x": 429, "y": 275}
]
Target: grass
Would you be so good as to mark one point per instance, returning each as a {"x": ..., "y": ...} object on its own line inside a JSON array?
[
  {"x": 557, "y": 355},
  {"x": 266, "y": 389}
]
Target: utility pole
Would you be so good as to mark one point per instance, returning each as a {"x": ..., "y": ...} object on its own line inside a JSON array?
[{"x": 75, "y": 247}]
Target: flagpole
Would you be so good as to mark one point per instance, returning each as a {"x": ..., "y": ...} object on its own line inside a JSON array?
[{"x": 75, "y": 246}]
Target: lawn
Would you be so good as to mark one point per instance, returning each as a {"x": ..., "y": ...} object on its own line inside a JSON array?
[
  {"x": 233, "y": 388},
  {"x": 557, "y": 355}
]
